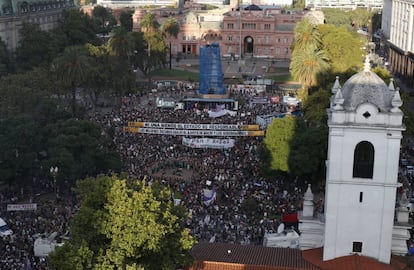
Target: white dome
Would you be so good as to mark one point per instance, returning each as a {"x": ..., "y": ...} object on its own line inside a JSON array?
[{"x": 366, "y": 87}]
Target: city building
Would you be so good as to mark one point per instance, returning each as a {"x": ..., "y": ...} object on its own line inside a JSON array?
[
  {"x": 398, "y": 37},
  {"x": 344, "y": 4},
  {"x": 13, "y": 13},
  {"x": 263, "y": 32},
  {"x": 266, "y": 32}
]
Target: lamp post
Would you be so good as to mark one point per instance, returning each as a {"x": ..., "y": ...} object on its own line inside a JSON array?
[{"x": 54, "y": 172}]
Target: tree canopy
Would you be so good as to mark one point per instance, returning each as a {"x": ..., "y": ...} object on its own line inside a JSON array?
[
  {"x": 279, "y": 135},
  {"x": 343, "y": 47},
  {"x": 309, "y": 60},
  {"x": 124, "y": 225}
]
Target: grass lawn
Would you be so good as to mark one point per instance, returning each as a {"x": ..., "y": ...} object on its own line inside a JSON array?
[
  {"x": 280, "y": 78},
  {"x": 176, "y": 74}
]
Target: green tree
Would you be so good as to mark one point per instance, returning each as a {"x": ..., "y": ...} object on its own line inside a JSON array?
[
  {"x": 150, "y": 27},
  {"x": 125, "y": 19},
  {"x": 121, "y": 78},
  {"x": 5, "y": 61},
  {"x": 21, "y": 93},
  {"x": 75, "y": 28},
  {"x": 125, "y": 225},
  {"x": 360, "y": 17},
  {"x": 279, "y": 135},
  {"x": 141, "y": 60},
  {"x": 314, "y": 109},
  {"x": 20, "y": 143},
  {"x": 170, "y": 28},
  {"x": 308, "y": 150},
  {"x": 337, "y": 17},
  {"x": 99, "y": 73},
  {"x": 80, "y": 148},
  {"x": 306, "y": 66},
  {"x": 103, "y": 19},
  {"x": 35, "y": 48},
  {"x": 343, "y": 47},
  {"x": 71, "y": 69},
  {"x": 120, "y": 43},
  {"x": 383, "y": 73},
  {"x": 307, "y": 36},
  {"x": 299, "y": 4}
]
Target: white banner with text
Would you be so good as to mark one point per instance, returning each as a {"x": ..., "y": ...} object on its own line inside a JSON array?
[{"x": 208, "y": 143}]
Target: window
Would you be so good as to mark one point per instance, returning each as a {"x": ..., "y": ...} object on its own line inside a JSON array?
[
  {"x": 230, "y": 38},
  {"x": 267, "y": 26},
  {"x": 183, "y": 37},
  {"x": 278, "y": 40},
  {"x": 230, "y": 26},
  {"x": 249, "y": 26},
  {"x": 361, "y": 196},
  {"x": 266, "y": 40},
  {"x": 286, "y": 40},
  {"x": 356, "y": 246},
  {"x": 363, "y": 160}
]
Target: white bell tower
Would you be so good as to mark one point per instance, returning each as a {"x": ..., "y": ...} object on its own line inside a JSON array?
[{"x": 365, "y": 131}]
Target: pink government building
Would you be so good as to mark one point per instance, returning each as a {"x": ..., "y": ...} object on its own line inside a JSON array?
[{"x": 265, "y": 32}]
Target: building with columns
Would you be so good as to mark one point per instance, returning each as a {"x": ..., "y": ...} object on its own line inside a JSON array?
[
  {"x": 14, "y": 12},
  {"x": 398, "y": 34},
  {"x": 265, "y": 32}
]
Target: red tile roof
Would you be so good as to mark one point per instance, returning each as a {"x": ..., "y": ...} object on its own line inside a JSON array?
[
  {"x": 221, "y": 256},
  {"x": 351, "y": 262}
]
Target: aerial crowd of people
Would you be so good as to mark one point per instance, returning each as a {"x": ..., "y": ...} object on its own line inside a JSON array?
[{"x": 242, "y": 205}]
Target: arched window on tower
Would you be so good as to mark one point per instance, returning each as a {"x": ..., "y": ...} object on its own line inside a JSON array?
[{"x": 363, "y": 160}]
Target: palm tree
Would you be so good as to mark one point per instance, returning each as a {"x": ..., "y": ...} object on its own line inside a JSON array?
[
  {"x": 120, "y": 43},
  {"x": 306, "y": 65},
  {"x": 149, "y": 26},
  {"x": 170, "y": 28},
  {"x": 71, "y": 69},
  {"x": 306, "y": 35}
]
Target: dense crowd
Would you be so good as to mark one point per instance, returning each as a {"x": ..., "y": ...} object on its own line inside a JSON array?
[
  {"x": 16, "y": 250},
  {"x": 246, "y": 206},
  {"x": 233, "y": 173}
]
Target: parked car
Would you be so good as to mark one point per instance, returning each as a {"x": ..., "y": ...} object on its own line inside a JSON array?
[{"x": 4, "y": 228}]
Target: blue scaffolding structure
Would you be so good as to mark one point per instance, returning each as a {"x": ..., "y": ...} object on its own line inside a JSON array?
[{"x": 211, "y": 74}]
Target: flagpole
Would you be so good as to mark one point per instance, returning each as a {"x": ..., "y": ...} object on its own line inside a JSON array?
[{"x": 240, "y": 30}]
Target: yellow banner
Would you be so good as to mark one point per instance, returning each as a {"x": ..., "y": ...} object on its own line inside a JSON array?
[
  {"x": 195, "y": 132},
  {"x": 136, "y": 124}
]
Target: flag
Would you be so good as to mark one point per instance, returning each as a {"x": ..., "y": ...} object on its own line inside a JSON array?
[{"x": 208, "y": 196}]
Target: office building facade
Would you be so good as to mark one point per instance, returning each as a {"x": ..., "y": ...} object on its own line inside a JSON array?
[
  {"x": 14, "y": 13},
  {"x": 398, "y": 33}
]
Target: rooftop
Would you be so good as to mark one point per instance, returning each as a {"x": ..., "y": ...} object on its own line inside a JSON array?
[
  {"x": 222, "y": 256},
  {"x": 247, "y": 257}
]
